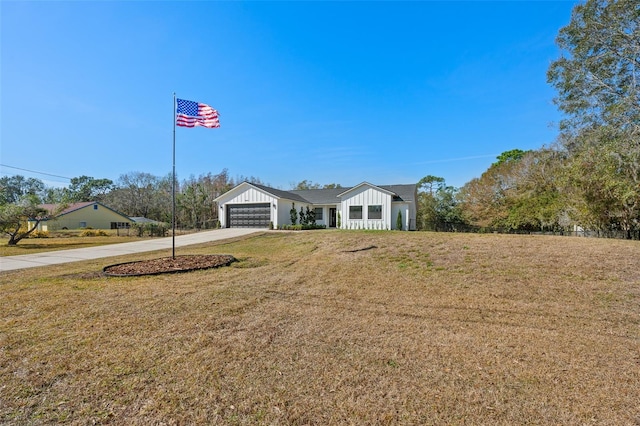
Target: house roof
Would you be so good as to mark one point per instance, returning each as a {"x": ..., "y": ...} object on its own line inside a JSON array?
[
  {"x": 319, "y": 196},
  {"x": 289, "y": 195},
  {"x": 332, "y": 195},
  {"x": 51, "y": 208},
  {"x": 140, "y": 219},
  {"x": 364, "y": 184},
  {"x": 405, "y": 192}
]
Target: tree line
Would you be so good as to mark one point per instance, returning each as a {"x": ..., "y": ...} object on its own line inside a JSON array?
[
  {"x": 135, "y": 194},
  {"x": 588, "y": 179}
]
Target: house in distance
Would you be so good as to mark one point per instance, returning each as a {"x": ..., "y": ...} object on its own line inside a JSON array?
[{"x": 90, "y": 214}]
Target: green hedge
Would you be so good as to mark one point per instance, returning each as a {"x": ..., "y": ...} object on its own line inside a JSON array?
[{"x": 300, "y": 227}]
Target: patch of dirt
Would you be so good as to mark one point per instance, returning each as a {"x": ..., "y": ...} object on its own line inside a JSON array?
[
  {"x": 167, "y": 265},
  {"x": 360, "y": 249}
]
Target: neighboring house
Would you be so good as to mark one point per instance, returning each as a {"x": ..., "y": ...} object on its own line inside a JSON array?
[
  {"x": 364, "y": 206},
  {"x": 90, "y": 214}
]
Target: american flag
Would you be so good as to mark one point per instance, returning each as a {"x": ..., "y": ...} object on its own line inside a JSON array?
[{"x": 192, "y": 114}]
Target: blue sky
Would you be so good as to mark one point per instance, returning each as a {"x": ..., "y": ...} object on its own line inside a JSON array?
[{"x": 331, "y": 92}]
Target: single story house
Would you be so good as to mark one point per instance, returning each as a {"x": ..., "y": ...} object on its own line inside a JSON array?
[
  {"x": 91, "y": 214},
  {"x": 364, "y": 206}
]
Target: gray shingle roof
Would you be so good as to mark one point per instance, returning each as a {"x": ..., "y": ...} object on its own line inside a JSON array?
[
  {"x": 330, "y": 196},
  {"x": 320, "y": 196},
  {"x": 289, "y": 195},
  {"x": 406, "y": 192}
]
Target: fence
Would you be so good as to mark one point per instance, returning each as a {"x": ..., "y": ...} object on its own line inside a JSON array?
[{"x": 464, "y": 227}]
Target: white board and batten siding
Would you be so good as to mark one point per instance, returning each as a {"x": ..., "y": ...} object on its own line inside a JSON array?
[
  {"x": 284, "y": 210},
  {"x": 252, "y": 196},
  {"x": 404, "y": 210},
  {"x": 366, "y": 196},
  {"x": 258, "y": 206},
  {"x": 249, "y": 195}
]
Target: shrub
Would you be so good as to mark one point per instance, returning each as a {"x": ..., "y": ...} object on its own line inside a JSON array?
[
  {"x": 158, "y": 229},
  {"x": 138, "y": 228},
  {"x": 311, "y": 216},
  {"x": 303, "y": 218},
  {"x": 399, "y": 221},
  {"x": 94, "y": 233},
  {"x": 293, "y": 214},
  {"x": 300, "y": 227},
  {"x": 39, "y": 234}
]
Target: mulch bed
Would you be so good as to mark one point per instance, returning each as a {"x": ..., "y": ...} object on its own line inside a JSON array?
[{"x": 167, "y": 265}]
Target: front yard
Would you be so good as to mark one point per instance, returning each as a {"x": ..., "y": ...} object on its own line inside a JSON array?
[{"x": 332, "y": 328}]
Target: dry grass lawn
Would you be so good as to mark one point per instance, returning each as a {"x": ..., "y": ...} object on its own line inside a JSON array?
[
  {"x": 333, "y": 328},
  {"x": 39, "y": 245}
]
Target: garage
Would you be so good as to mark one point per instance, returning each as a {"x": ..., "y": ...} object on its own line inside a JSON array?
[{"x": 248, "y": 215}]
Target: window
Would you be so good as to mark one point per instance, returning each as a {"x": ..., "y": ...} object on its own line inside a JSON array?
[
  {"x": 120, "y": 225},
  {"x": 375, "y": 212},
  {"x": 83, "y": 224},
  {"x": 318, "y": 212},
  {"x": 95, "y": 207},
  {"x": 355, "y": 212}
]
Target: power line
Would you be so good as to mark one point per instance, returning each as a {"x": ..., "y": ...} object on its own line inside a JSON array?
[{"x": 33, "y": 171}]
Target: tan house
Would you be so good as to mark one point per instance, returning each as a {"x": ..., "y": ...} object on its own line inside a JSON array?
[{"x": 91, "y": 214}]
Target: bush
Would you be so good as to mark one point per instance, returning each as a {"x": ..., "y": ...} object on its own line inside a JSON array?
[
  {"x": 303, "y": 218},
  {"x": 151, "y": 229},
  {"x": 94, "y": 233},
  {"x": 39, "y": 234},
  {"x": 310, "y": 216},
  {"x": 300, "y": 227}
]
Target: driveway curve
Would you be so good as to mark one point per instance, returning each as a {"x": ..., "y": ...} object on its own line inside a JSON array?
[{"x": 11, "y": 263}]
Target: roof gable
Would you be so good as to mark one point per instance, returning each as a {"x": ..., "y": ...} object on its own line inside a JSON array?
[
  {"x": 277, "y": 193},
  {"x": 406, "y": 192},
  {"x": 320, "y": 196},
  {"x": 51, "y": 208},
  {"x": 328, "y": 195},
  {"x": 369, "y": 185}
]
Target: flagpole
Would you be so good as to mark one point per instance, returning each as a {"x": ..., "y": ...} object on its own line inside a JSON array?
[{"x": 173, "y": 185}]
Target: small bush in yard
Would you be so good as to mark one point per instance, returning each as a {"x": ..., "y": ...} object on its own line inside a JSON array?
[
  {"x": 94, "y": 233},
  {"x": 303, "y": 217},
  {"x": 311, "y": 216},
  {"x": 39, "y": 234},
  {"x": 300, "y": 227}
]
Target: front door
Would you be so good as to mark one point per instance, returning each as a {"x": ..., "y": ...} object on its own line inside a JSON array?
[{"x": 332, "y": 217}]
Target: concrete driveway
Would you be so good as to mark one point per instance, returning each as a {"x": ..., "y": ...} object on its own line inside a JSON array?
[{"x": 10, "y": 263}]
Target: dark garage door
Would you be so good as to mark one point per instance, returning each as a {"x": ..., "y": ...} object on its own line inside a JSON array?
[{"x": 249, "y": 215}]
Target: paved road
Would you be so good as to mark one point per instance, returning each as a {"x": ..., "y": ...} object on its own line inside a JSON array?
[{"x": 10, "y": 263}]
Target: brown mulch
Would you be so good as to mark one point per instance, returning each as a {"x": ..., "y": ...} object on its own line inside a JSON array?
[{"x": 167, "y": 265}]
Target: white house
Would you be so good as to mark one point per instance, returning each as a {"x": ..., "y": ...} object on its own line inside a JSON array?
[{"x": 364, "y": 206}]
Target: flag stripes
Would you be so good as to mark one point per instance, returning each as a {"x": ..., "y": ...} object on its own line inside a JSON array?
[{"x": 192, "y": 114}]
